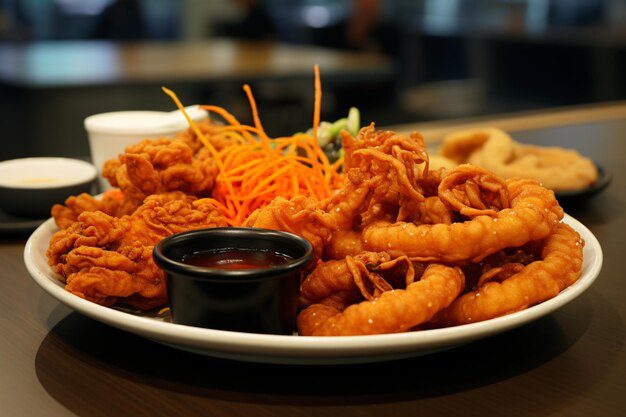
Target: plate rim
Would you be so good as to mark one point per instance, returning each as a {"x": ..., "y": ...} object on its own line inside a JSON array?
[{"x": 318, "y": 346}]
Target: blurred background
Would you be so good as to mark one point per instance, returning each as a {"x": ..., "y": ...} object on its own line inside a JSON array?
[{"x": 397, "y": 61}]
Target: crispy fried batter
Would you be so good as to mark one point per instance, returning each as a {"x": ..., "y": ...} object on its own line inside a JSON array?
[
  {"x": 107, "y": 259},
  {"x": 559, "y": 267},
  {"x": 160, "y": 165},
  {"x": 392, "y": 312},
  {"x": 343, "y": 243},
  {"x": 299, "y": 216},
  {"x": 315, "y": 221},
  {"x": 112, "y": 203},
  {"x": 346, "y": 275},
  {"x": 501, "y": 240},
  {"x": 534, "y": 213},
  {"x": 152, "y": 166},
  {"x": 430, "y": 211},
  {"x": 474, "y": 191},
  {"x": 390, "y": 163}
]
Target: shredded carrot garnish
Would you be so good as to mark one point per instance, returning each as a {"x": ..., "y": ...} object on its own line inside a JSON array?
[
  {"x": 318, "y": 101},
  {"x": 255, "y": 114},
  {"x": 255, "y": 169}
]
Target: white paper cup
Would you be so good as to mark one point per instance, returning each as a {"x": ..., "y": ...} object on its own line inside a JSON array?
[{"x": 110, "y": 133}]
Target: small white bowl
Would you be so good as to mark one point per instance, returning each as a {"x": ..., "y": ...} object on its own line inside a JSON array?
[
  {"x": 30, "y": 186},
  {"x": 110, "y": 133}
]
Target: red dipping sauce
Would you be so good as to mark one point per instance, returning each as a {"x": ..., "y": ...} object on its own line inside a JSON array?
[{"x": 236, "y": 258}]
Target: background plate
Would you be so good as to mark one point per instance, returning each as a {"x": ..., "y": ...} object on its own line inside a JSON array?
[
  {"x": 296, "y": 349},
  {"x": 580, "y": 197}
]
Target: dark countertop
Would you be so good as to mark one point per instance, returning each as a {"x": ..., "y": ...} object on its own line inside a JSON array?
[{"x": 55, "y": 362}]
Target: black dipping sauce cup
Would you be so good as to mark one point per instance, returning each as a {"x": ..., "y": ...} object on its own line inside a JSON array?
[{"x": 245, "y": 300}]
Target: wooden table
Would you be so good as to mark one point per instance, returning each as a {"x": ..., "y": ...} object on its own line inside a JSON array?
[
  {"x": 55, "y": 362},
  {"x": 58, "y": 84}
]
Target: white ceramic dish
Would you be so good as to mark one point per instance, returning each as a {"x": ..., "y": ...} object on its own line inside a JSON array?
[
  {"x": 303, "y": 350},
  {"x": 30, "y": 186},
  {"x": 45, "y": 172}
]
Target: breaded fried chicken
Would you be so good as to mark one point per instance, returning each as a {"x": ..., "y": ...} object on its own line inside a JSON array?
[{"x": 106, "y": 259}]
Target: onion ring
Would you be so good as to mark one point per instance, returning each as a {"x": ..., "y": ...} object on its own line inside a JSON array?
[
  {"x": 533, "y": 215},
  {"x": 393, "y": 312},
  {"x": 559, "y": 267}
]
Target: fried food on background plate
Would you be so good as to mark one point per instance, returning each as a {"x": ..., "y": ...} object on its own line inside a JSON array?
[
  {"x": 556, "y": 168},
  {"x": 107, "y": 259},
  {"x": 438, "y": 162}
]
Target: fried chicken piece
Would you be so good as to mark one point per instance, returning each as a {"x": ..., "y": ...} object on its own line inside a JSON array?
[
  {"x": 160, "y": 165},
  {"x": 152, "y": 166},
  {"x": 107, "y": 259},
  {"x": 112, "y": 203}
]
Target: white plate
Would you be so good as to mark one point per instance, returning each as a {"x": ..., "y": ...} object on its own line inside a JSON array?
[{"x": 297, "y": 349}]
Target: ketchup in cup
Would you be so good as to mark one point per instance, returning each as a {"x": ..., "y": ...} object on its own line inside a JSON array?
[{"x": 235, "y": 258}]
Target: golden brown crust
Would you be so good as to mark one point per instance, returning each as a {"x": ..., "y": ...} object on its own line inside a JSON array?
[
  {"x": 336, "y": 276},
  {"x": 155, "y": 166},
  {"x": 393, "y": 312},
  {"x": 112, "y": 203},
  {"x": 559, "y": 267},
  {"x": 534, "y": 213},
  {"x": 108, "y": 259}
]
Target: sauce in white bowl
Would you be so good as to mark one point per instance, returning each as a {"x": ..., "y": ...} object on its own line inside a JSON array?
[{"x": 30, "y": 186}]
